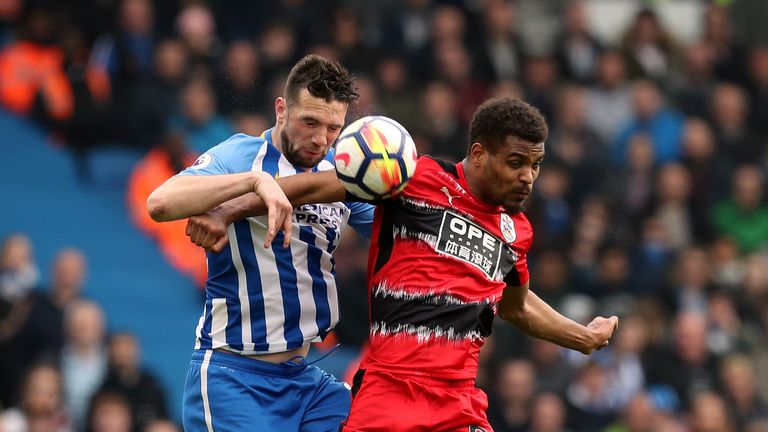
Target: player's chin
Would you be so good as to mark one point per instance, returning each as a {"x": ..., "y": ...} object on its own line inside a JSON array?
[
  {"x": 516, "y": 206},
  {"x": 310, "y": 162}
]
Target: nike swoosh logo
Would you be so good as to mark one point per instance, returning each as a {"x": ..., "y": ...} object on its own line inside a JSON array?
[{"x": 344, "y": 157}]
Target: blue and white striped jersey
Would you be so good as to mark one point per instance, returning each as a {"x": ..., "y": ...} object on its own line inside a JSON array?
[{"x": 272, "y": 300}]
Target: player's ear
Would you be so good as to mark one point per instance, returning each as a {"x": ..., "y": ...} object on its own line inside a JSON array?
[
  {"x": 477, "y": 154},
  {"x": 281, "y": 108}
]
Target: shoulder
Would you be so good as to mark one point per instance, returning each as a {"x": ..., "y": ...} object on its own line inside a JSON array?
[
  {"x": 430, "y": 170},
  {"x": 517, "y": 225},
  {"x": 428, "y": 163},
  {"x": 239, "y": 145},
  {"x": 236, "y": 154}
]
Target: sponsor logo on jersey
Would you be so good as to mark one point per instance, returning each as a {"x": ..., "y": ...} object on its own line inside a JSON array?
[
  {"x": 203, "y": 161},
  {"x": 474, "y": 428},
  {"x": 448, "y": 194},
  {"x": 328, "y": 215},
  {"x": 508, "y": 228},
  {"x": 463, "y": 239}
]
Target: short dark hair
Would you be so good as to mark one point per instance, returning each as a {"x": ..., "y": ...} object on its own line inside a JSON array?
[
  {"x": 322, "y": 78},
  {"x": 499, "y": 118}
]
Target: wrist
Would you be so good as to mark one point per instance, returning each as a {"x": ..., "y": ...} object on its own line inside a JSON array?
[
  {"x": 226, "y": 212},
  {"x": 257, "y": 178}
]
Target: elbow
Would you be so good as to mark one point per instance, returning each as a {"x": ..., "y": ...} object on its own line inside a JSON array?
[
  {"x": 512, "y": 315},
  {"x": 157, "y": 207}
]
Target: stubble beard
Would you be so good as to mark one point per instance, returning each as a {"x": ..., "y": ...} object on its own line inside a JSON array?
[{"x": 293, "y": 155}]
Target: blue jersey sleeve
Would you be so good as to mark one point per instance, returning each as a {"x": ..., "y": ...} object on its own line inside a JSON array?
[
  {"x": 234, "y": 155},
  {"x": 361, "y": 217}
]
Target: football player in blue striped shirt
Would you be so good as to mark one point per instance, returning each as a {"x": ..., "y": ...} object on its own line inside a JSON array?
[{"x": 271, "y": 290}]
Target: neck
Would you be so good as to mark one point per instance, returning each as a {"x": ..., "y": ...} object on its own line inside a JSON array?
[
  {"x": 276, "y": 140},
  {"x": 472, "y": 178}
]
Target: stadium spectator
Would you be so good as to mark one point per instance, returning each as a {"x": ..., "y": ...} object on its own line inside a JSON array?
[
  {"x": 729, "y": 56},
  {"x": 744, "y": 215},
  {"x": 392, "y": 78},
  {"x": 553, "y": 371},
  {"x": 757, "y": 89},
  {"x": 649, "y": 49},
  {"x": 161, "y": 426},
  {"x": 42, "y": 336},
  {"x": 109, "y": 412},
  {"x": 691, "y": 88},
  {"x": 736, "y": 142},
  {"x": 709, "y": 414},
  {"x": 663, "y": 125},
  {"x": 575, "y": 144},
  {"x": 609, "y": 99},
  {"x": 40, "y": 404},
  {"x": 548, "y": 413},
  {"x": 18, "y": 277},
  {"x": 126, "y": 377},
  {"x": 197, "y": 120},
  {"x": 512, "y": 396},
  {"x": 501, "y": 52},
  {"x": 439, "y": 126},
  {"x": 237, "y": 84},
  {"x": 147, "y": 111},
  {"x": 83, "y": 358},
  {"x": 168, "y": 158},
  {"x": 740, "y": 391},
  {"x": 18, "y": 271},
  {"x": 686, "y": 363},
  {"x": 591, "y": 404},
  {"x": 576, "y": 49},
  {"x": 196, "y": 27},
  {"x": 32, "y": 78}
]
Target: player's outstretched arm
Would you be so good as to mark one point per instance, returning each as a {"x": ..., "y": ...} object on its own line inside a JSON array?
[
  {"x": 209, "y": 230},
  {"x": 532, "y": 315},
  {"x": 183, "y": 196}
]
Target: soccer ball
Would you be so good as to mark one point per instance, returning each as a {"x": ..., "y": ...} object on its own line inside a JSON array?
[{"x": 375, "y": 157}]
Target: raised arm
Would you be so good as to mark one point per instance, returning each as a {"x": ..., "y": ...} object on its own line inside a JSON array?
[
  {"x": 529, "y": 313},
  {"x": 183, "y": 196},
  {"x": 208, "y": 229}
]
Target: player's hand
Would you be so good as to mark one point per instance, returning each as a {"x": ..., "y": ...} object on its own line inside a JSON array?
[
  {"x": 279, "y": 209},
  {"x": 602, "y": 329},
  {"x": 209, "y": 230}
]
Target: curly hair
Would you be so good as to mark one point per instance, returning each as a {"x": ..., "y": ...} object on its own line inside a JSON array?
[
  {"x": 322, "y": 78},
  {"x": 499, "y": 118}
]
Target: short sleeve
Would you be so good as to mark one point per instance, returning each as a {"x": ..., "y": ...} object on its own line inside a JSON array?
[
  {"x": 234, "y": 155},
  {"x": 361, "y": 217}
]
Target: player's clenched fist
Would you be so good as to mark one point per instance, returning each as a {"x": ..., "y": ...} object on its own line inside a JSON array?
[
  {"x": 208, "y": 230},
  {"x": 602, "y": 329}
]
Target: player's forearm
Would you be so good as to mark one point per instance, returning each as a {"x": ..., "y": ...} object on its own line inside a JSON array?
[
  {"x": 304, "y": 188},
  {"x": 536, "y": 318},
  {"x": 184, "y": 196},
  {"x": 310, "y": 188}
]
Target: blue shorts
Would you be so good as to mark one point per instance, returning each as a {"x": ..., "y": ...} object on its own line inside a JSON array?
[{"x": 226, "y": 392}]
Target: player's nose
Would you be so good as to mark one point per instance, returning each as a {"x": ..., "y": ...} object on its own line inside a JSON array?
[
  {"x": 526, "y": 175},
  {"x": 319, "y": 140}
]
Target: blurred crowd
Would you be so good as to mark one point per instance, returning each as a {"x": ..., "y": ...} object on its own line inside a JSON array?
[
  {"x": 59, "y": 369},
  {"x": 651, "y": 203}
]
